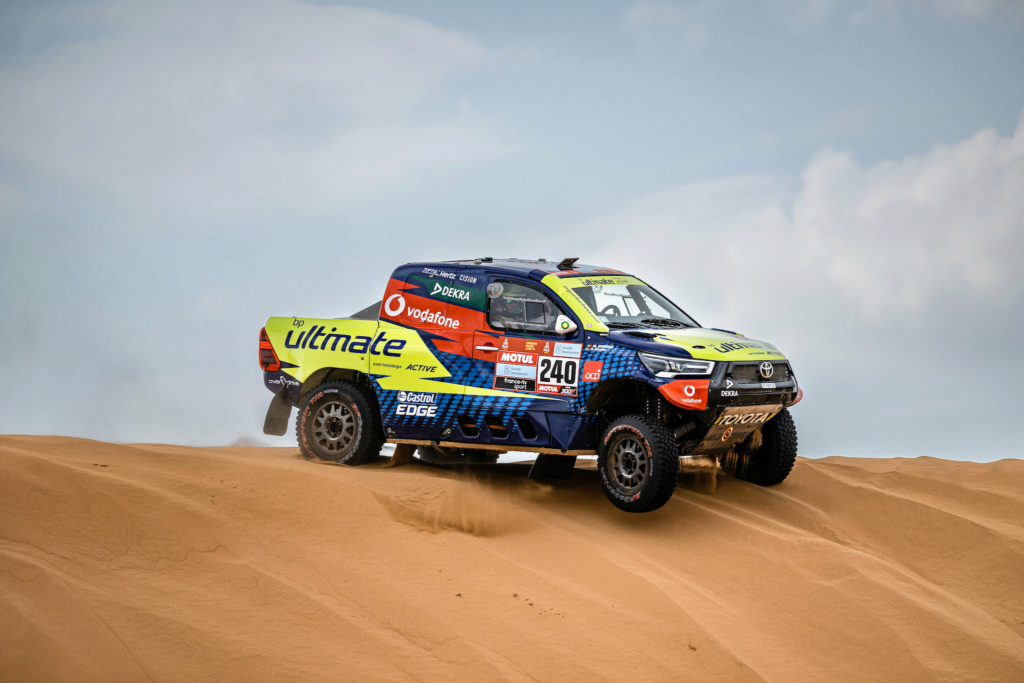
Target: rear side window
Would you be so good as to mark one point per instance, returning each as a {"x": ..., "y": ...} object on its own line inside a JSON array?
[{"x": 516, "y": 306}]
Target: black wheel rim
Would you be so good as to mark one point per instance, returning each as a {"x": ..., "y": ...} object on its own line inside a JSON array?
[
  {"x": 629, "y": 464},
  {"x": 334, "y": 427}
]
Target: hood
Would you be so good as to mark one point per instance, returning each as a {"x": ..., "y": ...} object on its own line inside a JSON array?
[{"x": 696, "y": 342}]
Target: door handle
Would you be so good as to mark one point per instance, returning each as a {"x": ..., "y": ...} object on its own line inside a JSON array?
[{"x": 490, "y": 349}]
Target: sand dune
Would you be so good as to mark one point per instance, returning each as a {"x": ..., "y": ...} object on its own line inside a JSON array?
[{"x": 171, "y": 563}]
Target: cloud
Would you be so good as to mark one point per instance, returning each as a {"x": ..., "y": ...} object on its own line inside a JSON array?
[
  {"x": 896, "y": 287},
  {"x": 666, "y": 18},
  {"x": 213, "y": 106},
  {"x": 815, "y": 12}
]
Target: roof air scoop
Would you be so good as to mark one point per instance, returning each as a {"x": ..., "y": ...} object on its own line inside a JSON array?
[{"x": 567, "y": 263}]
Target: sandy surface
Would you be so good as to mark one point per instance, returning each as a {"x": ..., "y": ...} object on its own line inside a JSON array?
[{"x": 172, "y": 563}]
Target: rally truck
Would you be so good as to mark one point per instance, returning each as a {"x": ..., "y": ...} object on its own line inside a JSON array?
[{"x": 464, "y": 360}]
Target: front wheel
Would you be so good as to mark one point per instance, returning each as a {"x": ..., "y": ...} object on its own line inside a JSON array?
[
  {"x": 774, "y": 460},
  {"x": 638, "y": 463},
  {"x": 337, "y": 422}
]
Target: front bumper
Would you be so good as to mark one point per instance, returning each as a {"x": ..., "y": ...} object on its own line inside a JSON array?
[{"x": 734, "y": 402}]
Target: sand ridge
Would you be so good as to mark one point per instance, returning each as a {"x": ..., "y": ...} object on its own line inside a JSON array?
[{"x": 150, "y": 562}]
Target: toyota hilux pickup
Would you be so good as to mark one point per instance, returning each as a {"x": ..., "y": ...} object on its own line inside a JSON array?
[{"x": 464, "y": 360}]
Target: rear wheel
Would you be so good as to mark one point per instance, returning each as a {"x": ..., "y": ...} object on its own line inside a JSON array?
[
  {"x": 773, "y": 462},
  {"x": 337, "y": 422},
  {"x": 638, "y": 463}
]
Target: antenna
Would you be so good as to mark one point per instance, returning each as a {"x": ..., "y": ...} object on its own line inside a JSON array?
[{"x": 567, "y": 263}]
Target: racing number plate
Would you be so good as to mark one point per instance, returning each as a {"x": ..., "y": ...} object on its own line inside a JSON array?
[
  {"x": 532, "y": 365},
  {"x": 734, "y": 425}
]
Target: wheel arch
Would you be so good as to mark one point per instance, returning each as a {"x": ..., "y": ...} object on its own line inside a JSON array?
[
  {"x": 356, "y": 377},
  {"x": 622, "y": 396}
]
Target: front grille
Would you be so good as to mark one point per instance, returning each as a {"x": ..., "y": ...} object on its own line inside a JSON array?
[{"x": 747, "y": 373}]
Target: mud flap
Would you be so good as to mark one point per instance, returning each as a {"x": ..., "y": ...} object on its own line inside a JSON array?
[
  {"x": 276, "y": 422},
  {"x": 548, "y": 466}
]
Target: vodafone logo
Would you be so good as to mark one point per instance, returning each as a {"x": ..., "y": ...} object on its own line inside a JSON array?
[
  {"x": 688, "y": 394},
  {"x": 395, "y": 304}
]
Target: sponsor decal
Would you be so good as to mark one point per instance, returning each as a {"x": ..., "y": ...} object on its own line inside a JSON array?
[
  {"x": 600, "y": 347},
  {"x": 510, "y": 370},
  {"x": 728, "y": 347},
  {"x": 767, "y": 385},
  {"x": 726, "y": 434},
  {"x": 749, "y": 418},
  {"x": 592, "y": 370},
  {"x": 728, "y": 383},
  {"x": 415, "y": 410},
  {"x": 726, "y": 392},
  {"x": 521, "y": 358},
  {"x": 386, "y": 365},
  {"x": 316, "y": 339},
  {"x": 592, "y": 281},
  {"x": 568, "y": 350},
  {"x": 395, "y": 305},
  {"x": 416, "y": 397},
  {"x": 298, "y": 323},
  {"x": 515, "y": 384},
  {"x": 448, "y": 275},
  {"x": 284, "y": 380},
  {"x": 450, "y": 292},
  {"x": 689, "y": 394},
  {"x": 439, "y": 273},
  {"x": 421, "y": 368}
]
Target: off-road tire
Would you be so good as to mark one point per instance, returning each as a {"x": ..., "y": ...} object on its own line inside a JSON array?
[
  {"x": 638, "y": 463},
  {"x": 338, "y": 422},
  {"x": 773, "y": 462},
  {"x": 464, "y": 456}
]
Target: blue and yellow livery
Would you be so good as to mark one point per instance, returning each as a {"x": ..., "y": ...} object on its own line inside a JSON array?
[{"x": 468, "y": 359}]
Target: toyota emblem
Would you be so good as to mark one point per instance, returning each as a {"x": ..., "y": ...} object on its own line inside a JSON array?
[{"x": 767, "y": 370}]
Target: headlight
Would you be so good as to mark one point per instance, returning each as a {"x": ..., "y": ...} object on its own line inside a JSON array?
[{"x": 666, "y": 366}]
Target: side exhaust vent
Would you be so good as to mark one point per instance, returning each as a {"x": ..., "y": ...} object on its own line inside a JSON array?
[
  {"x": 468, "y": 425},
  {"x": 496, "y": 427}
]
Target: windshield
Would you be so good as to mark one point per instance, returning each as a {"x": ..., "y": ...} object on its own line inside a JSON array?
[{"x": 622, "y": 302}]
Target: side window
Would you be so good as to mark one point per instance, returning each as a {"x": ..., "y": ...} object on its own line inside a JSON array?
[{"x": 515, "y": 306}]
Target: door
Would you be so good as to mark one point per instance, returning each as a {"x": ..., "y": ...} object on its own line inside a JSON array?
[{"x": 533, "y": 372}]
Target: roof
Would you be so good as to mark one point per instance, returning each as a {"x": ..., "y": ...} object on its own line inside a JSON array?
[{"x": 521, "y": 266}]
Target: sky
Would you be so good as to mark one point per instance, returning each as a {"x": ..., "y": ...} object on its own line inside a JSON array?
[{"x": 842, "y": 178}]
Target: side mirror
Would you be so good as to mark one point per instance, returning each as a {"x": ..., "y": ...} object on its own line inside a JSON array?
[{"x": 564, "y": 325}]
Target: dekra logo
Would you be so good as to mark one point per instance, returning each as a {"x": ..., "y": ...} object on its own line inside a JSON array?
[{"x": 450, "y": 292}]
